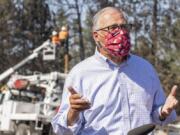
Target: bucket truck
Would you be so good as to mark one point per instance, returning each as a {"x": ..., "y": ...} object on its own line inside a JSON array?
[{"x": 28, "y": 102}]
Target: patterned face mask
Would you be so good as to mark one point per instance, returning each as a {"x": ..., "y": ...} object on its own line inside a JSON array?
[{"x": 118, "y": 43}]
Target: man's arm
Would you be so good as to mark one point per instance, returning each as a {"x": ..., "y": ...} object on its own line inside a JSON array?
[
  {"x": 170, "y": 104},
  {"x": 69, "y": 118},
  {"x": 77, "y": 105},
  {"x": 161, "y": 105}
]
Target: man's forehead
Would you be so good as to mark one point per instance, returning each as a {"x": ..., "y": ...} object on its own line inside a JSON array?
[
  {"x": 111, "y": 17},
  {"x": 112, "y": 11}
]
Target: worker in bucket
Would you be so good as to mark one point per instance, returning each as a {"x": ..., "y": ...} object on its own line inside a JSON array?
[
  {"x": 112, "y": 91},
  {"x": 63, "y": 35},
  {"x": 55, "y": 38}
]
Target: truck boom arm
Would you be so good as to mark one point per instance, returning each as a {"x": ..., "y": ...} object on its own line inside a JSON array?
[{"x": 24, "y": 61}]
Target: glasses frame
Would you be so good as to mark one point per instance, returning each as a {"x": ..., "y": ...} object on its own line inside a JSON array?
[{"x": 119, "y": 26}]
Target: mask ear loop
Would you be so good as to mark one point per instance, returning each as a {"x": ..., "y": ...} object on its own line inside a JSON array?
[{"x": 100, "y": 46}]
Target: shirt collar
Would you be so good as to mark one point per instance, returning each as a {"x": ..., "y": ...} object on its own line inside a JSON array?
[
  {"x": 110, "y": 62},
  {"x": 99, "y": 55}
]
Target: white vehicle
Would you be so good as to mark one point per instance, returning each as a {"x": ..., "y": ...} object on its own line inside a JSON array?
[
  {"x": 28, "y": 103},
  {"x": 28, "y": 111}
]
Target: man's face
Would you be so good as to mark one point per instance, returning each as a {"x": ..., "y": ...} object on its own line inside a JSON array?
[{"x": 109, "y": 18}]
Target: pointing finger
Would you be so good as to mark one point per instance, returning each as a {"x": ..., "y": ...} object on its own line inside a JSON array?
[{"x": 72, "y": 91}]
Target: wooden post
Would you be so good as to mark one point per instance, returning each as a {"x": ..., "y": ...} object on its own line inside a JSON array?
[{"x": 66, "y": 63}]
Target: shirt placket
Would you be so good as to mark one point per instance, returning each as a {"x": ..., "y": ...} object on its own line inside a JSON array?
[{"x": 125, "y": 103}]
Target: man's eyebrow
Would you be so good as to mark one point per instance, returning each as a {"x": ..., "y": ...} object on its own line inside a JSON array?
[{"x": 114, "y": 24}]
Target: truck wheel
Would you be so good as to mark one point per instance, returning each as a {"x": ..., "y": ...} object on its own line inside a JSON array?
[
  {"x": 23, "y": 129},
  {"x": 47, "y": 130}
]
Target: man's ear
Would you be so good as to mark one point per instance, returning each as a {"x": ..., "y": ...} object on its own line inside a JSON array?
[{"x": 95, "y": 36}]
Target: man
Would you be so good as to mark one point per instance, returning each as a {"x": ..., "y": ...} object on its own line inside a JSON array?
[{"x": 112, "y": 91}]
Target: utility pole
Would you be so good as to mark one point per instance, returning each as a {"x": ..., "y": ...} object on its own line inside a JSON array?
[
  {"x": 63, "y": 36},
  {"x": 66, "y": 57}
]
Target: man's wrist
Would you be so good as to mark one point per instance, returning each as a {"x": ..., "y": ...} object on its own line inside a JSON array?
[
  {"x": 72, "y": 117},
  {"x": 162, "y": 117}
]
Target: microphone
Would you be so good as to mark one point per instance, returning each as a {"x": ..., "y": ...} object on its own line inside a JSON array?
[{"x": 142, "y": 130}]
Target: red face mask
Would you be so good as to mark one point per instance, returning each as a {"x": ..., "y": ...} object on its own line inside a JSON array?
[{"x": 118, "y": 42}]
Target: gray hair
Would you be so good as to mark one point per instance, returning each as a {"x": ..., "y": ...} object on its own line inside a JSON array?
[{"x": 99, "y": 13}]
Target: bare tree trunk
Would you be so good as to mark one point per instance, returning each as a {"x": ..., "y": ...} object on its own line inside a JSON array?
[
  {"x": 82, "y": 55},
  {"x": 154, "y": 31}
]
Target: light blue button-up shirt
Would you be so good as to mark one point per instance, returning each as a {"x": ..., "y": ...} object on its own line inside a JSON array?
[{"x": 122, "y": 97}]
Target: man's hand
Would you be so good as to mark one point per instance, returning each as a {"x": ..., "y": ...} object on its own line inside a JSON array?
[
  {"x": 77, "y": 104},
  {"x": 170, "y": 104}
]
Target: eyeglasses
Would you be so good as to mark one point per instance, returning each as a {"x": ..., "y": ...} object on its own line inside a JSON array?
[{"x": 116, "y": 26}]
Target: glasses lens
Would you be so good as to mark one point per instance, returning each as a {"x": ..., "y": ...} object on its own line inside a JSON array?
[
  {"x": 121, "y": 26},
  {"x": 113, "y": 27},
  {"x": 125, "y": 26},
  {"x": 116, "y": 26}
]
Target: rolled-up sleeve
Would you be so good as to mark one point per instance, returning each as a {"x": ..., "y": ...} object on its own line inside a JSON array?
[
  {"x": 159, "y": 101},
  {"x": 59, "y": 121}
]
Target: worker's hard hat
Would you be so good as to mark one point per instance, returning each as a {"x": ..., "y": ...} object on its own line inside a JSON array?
[
  {"x": 54, "y": 33},
  {"x": 63, "y": 28}
]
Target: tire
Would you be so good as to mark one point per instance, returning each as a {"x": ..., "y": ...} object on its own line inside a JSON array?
[
  {"x": 23, "y": 129},
  {"x": 47, "y": 130}
]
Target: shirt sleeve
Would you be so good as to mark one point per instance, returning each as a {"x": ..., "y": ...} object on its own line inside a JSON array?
[
  {"x": 159, "y": 100},
  {"x": 59, "y": 121}
]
